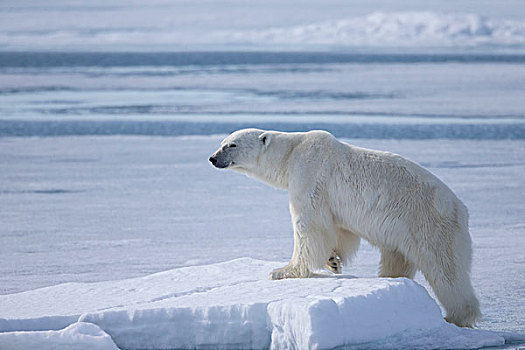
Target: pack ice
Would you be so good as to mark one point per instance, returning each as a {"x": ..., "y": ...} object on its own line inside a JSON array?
[{"x": 232, "y": 305}]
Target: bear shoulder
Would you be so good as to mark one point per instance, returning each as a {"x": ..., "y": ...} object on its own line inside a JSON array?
[
  {"x": 318, "y": 134},
  {"x": 319, "y": 138}
]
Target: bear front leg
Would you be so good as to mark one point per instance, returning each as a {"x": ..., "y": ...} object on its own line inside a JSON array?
[
  {"x": 313, "y": 245},
  {"x": 298, "y": 266}
]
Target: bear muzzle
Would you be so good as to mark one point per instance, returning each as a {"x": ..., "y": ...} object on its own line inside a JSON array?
[{"x": 219, "y": 163}]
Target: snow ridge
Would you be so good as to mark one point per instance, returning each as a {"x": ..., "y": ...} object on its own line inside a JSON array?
[
  {"x": 394, "y": 29},
  {"x": 77, "y": 336}
]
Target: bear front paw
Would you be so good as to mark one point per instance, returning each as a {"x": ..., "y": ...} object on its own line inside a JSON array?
[
  {"x": 277, "y": 274},
  {"x": 287, "y": 272}
]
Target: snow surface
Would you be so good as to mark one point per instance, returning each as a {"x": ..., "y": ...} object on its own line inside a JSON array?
[{"x": 233, "y": 305}]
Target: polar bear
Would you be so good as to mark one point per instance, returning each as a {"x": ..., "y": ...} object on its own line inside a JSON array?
[{"x": 340, "y": 193}]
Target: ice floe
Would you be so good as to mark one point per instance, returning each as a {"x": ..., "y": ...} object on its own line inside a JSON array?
[{"x": 233, "y": 305}]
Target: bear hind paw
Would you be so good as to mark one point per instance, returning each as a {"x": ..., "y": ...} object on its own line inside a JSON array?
[{"x": 334, "y": 264}]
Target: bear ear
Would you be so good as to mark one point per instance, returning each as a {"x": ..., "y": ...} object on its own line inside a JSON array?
[{"x": 265, "y": 138}]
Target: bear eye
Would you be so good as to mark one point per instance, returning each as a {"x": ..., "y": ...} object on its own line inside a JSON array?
[{"x": 233, "y": 145}]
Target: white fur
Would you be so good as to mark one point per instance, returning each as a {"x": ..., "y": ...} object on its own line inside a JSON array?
[{"x": 341, "y": 193}]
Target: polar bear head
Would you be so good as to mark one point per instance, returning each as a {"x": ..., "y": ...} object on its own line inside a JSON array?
[
  {"x": 240, "y": 150},
  {"x": 254, "y": 152}
]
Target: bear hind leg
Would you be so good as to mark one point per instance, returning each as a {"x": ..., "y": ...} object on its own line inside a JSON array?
[
  {"x": 395, "y": 264},
  {"x": 451, "y": 283},
  {"x": 457, "y": 297}
]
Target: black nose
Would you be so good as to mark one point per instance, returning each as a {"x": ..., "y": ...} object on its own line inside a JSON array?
[{"x": 213, "y": 160}]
